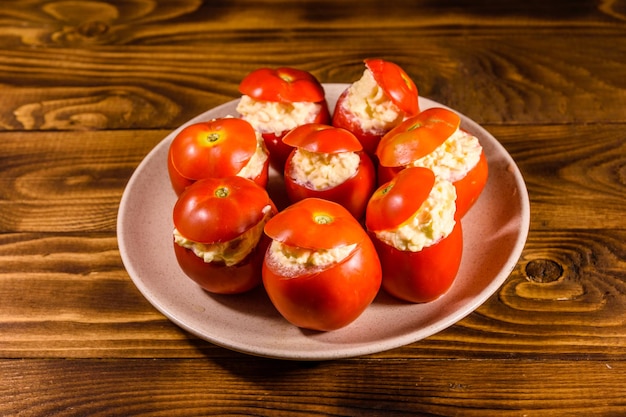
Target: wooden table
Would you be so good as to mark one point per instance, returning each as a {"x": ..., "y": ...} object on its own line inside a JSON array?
[{"x": 89, "y": 88}]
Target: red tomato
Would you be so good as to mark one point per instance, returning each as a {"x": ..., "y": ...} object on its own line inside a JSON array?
[
  {"x": 423, "y": 276},
  {"x": 412, "y": 276},
  {"x": 218, "y": 278},
  {"x": 343, "y": 118},
  {"x": 221, "y": 210},
  {"x": 396, "y": 201},
  {"x": 321, "y": 297},
  {"x": 278, "y": 150},
  {"x": 284, "y": 85},
  {"x": 396, "y": 84},
  {"x": 469, "y": 188},
  {"x": 218, "y": 148},
  {"x": 353, "y": 193},
  {"x": 419, "y": 136}
]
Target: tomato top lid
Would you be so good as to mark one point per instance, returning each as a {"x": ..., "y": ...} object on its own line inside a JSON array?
[
  {"x": 217, "y": 148},
  {"x": 396, "y": 201},
  {"x": 321, "y": 138},
  {"x": 315, "y": 223},
  {"x": 285, "y": 84},
  {"x": 396, "y": 83},
  {"x": 417, "y": 136},
  {"x": 220, "y": 209}
]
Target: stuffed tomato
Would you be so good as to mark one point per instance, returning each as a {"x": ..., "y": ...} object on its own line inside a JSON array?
[
  {"x": 382, "y": 98},
  {"x": 216, "y": 149},
  {"x": 321, "y": 270},
  {"x": 275, "y": 101},
  {"x": 329, "y": 163},
  {"x": 433, "y": 139},
  {"x": 413, "y": 224},
  {"x": 218, "y": 233}
]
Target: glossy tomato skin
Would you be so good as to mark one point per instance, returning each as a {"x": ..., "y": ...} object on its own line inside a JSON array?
[
  {"x": 397, "y": 86},
  {"x": 385, "y": 174},
  {"x": 353, "y": 194},
  {"x": 216, "y": 210},
  {"x": 343, "y": 118},
  {"x": 215, "y": 149},
  {"x": 284, "y": 85},
  {"x": 278, "y": 150},
  {"x": 218, "y": 278},
  {"x": 420, "y": 277},
  {"x": 418, "y": 137},
  {"x": 468, "y": 188},
  {"x": 180, "y": 183},
  {"x": 423, "y": 275},
  {"x": 325, "y": 297}
]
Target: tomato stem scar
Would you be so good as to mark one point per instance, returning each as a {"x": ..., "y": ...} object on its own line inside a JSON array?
[
  {"x": 285, "y": 77},
  {"x": 213, "y": 137},
  {"x": 222, "y": 192},
  {"x": 322, "y": 219}
]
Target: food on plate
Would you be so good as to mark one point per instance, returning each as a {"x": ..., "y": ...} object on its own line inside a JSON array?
[
  {"x": 381, "y": 99},
  {"x": 413, "y": 223},
  {"x": 434, "y": 139},
  {"x": 216, "y": 149},
  {"x": 275, "y": 101},
  {"x": 321, "y": 270},
  {"x": 218, "y": 233},
  {"x": 329, "y": 163},
  {"x": 323, "y": 259}
]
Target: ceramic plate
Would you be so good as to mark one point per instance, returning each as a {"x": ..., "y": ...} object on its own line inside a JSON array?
[{"x": 495, "y": 232}]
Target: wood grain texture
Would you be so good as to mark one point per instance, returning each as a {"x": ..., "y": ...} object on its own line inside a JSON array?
[
  {"x": 264, "y": 387},
  {"x": 88, "y": 88},
  {"x": 508, "y": 80},
  {"x": 72, "y": 76},
  {"x": 74, "y": 299}
]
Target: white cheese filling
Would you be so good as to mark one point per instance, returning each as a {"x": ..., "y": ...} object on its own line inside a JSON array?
[
  {"x": 320, "y": 171},
  {"x": 432, "y": 222},
  {"x": 276, "y": 117},
  {"x": 255, "y": 165},
  {"x": 454, "y": 158},
  {"x": 293, "y": 261},
  {"x": 230, "y": 252},
  {"x": 371, "y": 106}
]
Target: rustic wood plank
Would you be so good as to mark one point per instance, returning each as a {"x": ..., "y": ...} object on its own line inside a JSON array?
[
  {"x": 68, "y": 182},
  {"x": 249, "y": 386},
  {"x": 73, "y": 298},
  {"x": 510, "y": 81},
  {"x": 88, "y": 88},
  {"x": 574, "y": 173},
  {"x": 84, "y": 24}
]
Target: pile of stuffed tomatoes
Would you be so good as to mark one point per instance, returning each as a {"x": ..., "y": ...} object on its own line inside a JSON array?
[{"x": 376, "y": 193}]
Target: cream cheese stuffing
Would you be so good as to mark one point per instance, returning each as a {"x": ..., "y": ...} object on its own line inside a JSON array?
[
  {"x": 432, "y": 222},
  {"x": 230, "y": 252},
  {"x": 454, "y": 158},
  {"x": 320, "y": 171},
  {"x": 276, "y": 117},
  {"x": 371, "y": 106},
  {"x": 293, "y": 261}
]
